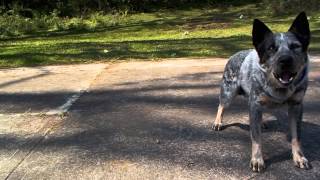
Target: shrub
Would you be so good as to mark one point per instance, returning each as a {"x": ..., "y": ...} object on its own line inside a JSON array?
[{"x": 279, "y": 7}]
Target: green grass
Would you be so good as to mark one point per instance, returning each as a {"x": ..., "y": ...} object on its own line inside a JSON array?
[{"x": 148, "y": 36}]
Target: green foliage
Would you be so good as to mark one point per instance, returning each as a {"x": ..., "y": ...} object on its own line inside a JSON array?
[
  {"x": 25, "y": 17},
  {"x": 83, "y": 7},
  {"x": 280, "y": 7},
  {"x": 12, "y": 24},
  {"x": 198, "y": 32}
]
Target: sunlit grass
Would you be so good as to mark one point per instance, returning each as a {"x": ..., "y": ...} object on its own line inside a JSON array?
[{"x": 148, "y": 36}]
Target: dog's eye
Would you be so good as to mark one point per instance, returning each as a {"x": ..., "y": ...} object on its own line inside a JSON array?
[
  {"x": 272, "y": 48},
  {"x": 294, "y": 46}
]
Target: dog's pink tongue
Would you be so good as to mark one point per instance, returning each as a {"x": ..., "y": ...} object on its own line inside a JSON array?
[{"x": 286, "y": 77}]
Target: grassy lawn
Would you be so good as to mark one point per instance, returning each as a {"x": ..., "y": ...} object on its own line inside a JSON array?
[{"x": 150, "y": 36}]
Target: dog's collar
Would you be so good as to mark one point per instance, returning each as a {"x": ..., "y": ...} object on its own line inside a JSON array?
[{"x": 302, "y": 76}]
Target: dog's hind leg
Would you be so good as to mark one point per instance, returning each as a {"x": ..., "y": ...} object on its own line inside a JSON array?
[
  {"x": 229, "y": 90},
  {"x": 218, "y": 121},
  {"x": 230, "y": 86}
]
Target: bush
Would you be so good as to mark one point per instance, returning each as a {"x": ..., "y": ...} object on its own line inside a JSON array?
[
  {"x": 82, "y": 7},
  {"x": 13, "y": 24},
  {"x": 279, "y": 7}
]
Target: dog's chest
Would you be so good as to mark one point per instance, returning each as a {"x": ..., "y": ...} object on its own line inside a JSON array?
[
  {"x": 248, "y": 70},
  {"x": 269, "y": 102}
]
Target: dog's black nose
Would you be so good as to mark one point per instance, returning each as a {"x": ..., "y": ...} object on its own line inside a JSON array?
[{"x": 285, "y": 61}]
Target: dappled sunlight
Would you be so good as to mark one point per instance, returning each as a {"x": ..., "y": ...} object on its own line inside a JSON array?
[
  {"x": 207, "y": 32},
  {"x": 159, "y": 123},
  {"x": 130, "y": 90}
]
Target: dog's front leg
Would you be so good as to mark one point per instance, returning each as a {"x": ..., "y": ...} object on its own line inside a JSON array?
[
  {"x": 255, "y": 116},
  {"x": 295, "y": 111}
]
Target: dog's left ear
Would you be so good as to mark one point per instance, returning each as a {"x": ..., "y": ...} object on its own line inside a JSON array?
[
  {"x": 300, "y": 28},
  {"x": 259, "y": 33},
  {"x": 262, "y": 37}
]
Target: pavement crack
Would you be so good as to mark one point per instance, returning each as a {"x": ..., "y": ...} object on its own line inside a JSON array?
[
  {"x": 64, "y": 108},
  {"x": 35, "y": 145}
]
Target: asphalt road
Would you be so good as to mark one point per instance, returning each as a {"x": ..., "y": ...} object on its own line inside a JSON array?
[{"x": 151, "y": 120}]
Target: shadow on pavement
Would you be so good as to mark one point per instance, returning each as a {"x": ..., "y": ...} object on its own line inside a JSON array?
[{"x": 170, "y": 123}]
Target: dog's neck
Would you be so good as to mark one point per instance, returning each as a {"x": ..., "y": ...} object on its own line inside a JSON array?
[{"x": 280, "y": 94}]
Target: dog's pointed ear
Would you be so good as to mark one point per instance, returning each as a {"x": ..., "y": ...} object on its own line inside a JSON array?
[
  {"x": 259, "y": 32},
  {"x": 300, "y": 28}
]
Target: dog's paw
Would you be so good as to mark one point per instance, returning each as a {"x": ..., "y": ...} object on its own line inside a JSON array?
[
  {"x": 257, "y": 164},
  {"x": 301, "y": 162},
  {"x": 217, "y": 126}
]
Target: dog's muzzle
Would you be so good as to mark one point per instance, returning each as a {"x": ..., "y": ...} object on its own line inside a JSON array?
[
  {"x": 285, "y": 73},
  {"x": 285, "y": 77}
]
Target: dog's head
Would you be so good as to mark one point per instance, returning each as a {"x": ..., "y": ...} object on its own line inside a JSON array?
[{"x": 283, "y": 55}]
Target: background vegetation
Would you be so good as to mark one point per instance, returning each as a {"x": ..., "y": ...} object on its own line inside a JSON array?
[{"x": 38, "y": 32}]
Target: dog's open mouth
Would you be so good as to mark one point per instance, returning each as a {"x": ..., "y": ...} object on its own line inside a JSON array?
[{"x": 285, "y": 78}]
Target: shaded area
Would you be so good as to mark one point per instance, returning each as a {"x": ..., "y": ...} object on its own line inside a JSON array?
[
  {"x": 32, "y": 102},
  {"x": 165, "y": 123},
  {"x": 21, "y": 80},
  {"x": 76, "y": 8}
]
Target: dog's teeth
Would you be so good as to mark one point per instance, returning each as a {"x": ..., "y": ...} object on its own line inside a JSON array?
[
  {"x": 281, "y": 80},
  {"x": 284, "y": 81}
]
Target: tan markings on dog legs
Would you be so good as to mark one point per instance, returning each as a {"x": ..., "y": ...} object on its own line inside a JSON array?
[
  {"x": 298, "y": 157},
  {"x": 257, "y": 162},
  {"x": 297, "y": 153},
  {"x": 294, "y": 138},
  {"x": 295, "y": 146},
  {"x": 218, "y": 122}
]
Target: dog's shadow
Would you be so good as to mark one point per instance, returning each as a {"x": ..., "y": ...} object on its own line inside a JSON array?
[{"x": 309, "y": 137}]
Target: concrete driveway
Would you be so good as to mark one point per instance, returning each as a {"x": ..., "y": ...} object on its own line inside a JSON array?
[{"x": 147, "y": 120}]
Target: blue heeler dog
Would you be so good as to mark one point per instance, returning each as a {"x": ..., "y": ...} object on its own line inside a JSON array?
[{"x": 274, "y": 74}]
